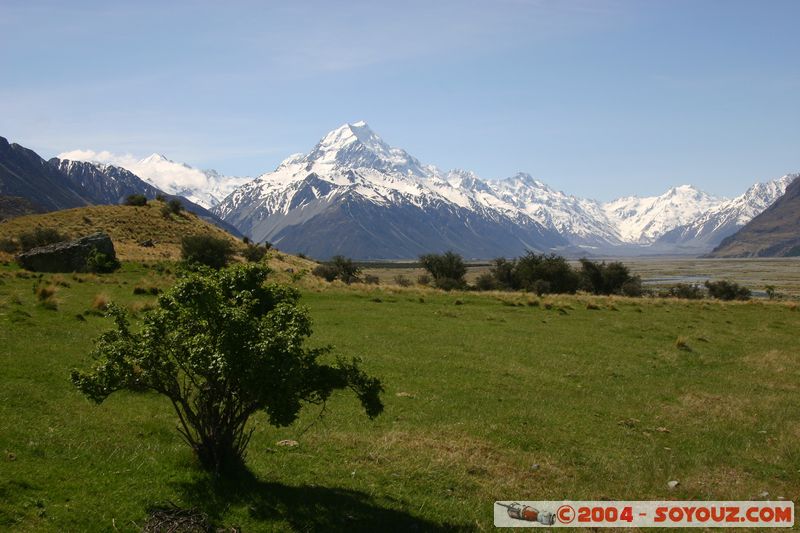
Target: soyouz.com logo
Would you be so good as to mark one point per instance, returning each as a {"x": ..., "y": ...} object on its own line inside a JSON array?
[{"x": 643, "y": 514}]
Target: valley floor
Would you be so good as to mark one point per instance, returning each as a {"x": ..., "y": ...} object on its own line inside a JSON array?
[
  {"x": 756, "y": 274},
  {"x": 488, "y": 396}
]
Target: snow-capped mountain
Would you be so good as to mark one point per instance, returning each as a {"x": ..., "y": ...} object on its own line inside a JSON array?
[
  {"x": 203, "y": 187},
  {"x": 644, "y": 220},
  {"x": 582, "y": 221},
  {"x": 708, "y": 230},
  {"x": 354, "y": 194}
]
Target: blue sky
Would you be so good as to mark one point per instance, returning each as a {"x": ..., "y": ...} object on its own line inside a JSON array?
[{"x": 597, "y": 98}]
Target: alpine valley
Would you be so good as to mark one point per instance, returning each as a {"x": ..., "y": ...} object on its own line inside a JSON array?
[{"x": 355, "y": 195}]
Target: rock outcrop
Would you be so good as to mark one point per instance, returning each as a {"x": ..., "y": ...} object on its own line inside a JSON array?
[{"x": 68, "y": 256}]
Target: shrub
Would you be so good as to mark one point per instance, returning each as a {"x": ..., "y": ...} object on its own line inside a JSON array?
[
  {"x": 402, "y": 280},
  {"x": 686, "y": 291},
  {"x": 727, "y": 290},
  {"x": 449, "y": 284},
  {"x": 152, "y": 290},
  {"x": 173, "y": 207},
  {"x": 369, "y": 279},
  {"x": 39, "y": 237},
  {"x": 206, "y": 250},
  {"x": 602, "y": 278},
  {"x": 540, "y": 287},
  {"x": 254, "y": 253},
  {"x": 223, "y": 346},
  {"x": 101, "y": 263},
  {"x": 503, "y": 273},
  {"x": 632, "y": 287},
  {"x": 136, "y": 200},
  {"x": 326, "y": 272},
  {"x": 770, "y": 291},
  {"x": 552, "y": 269},
  {"x": 485, "y": 282},
  {"x": 448, "y": 269},
  {"x": 339, "y": 267},
  {"x": 424, "y": 279},
  {"x": 8, "y": 246}
]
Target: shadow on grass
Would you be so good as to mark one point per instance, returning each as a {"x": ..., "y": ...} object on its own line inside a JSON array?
[{"x": 303, "y": 508}]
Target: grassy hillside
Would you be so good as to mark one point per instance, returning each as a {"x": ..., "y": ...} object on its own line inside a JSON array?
[
  {"x": 129, "y": 226},
  {"x": 493, "y": 396}
]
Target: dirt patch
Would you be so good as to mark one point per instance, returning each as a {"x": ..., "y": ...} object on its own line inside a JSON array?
[
  {"x": 705, "y": 406},
  {"x": 773, "y": 361}
]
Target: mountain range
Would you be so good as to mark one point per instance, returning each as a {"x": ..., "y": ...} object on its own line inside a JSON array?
[
  {"x": 62, "y": 184},
  {"x": 355, "y": 195}
]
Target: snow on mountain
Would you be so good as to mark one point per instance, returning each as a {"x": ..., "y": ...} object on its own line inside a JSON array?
[
  {"x": 352, "y": 178},
  {"x": 353, "y": 170},
  {"x": 353, "y": 164},
  {"x": 204, "y": 187},
  {"x": 583, "y": 221},
  {"x": 725, "y": 219},
  {"x": 644, "y": 220}
]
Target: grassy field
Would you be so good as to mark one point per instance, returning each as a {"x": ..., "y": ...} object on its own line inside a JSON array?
[{"x": 488, "y": 396}]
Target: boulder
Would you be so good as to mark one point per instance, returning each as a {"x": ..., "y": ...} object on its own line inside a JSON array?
[{"x": 68, "y": 256}]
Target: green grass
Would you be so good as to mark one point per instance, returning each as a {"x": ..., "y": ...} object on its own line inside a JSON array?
[{"x": 609, "y": 400}]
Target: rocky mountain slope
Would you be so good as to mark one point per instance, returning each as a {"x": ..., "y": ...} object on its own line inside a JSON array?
[
  {"x": 773, "y": 233},
  {"x": 203, "y": 187},
  {"x": 62, "y": 184}
]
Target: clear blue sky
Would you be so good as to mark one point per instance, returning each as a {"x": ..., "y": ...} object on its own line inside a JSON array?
[{"x": 597, "y": 98}]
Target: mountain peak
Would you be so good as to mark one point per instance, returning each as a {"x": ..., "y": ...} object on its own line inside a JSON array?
[
  {"x": 154, "y": 158},
  {"x": 355, "y": 145}
]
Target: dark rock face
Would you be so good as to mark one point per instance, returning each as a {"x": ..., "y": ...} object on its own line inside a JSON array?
[{"x": 69, "y": 256}]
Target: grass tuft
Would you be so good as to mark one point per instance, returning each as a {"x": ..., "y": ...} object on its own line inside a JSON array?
[
  {"x": 100, "y": 302},
  {"x": 682, "y": 343}
]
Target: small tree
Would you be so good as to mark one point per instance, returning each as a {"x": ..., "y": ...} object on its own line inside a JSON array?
[
  {"x": 222, "y": 346},
  {"x": 727, "y": 290},
  {"x": 173, "y": 207},
  {"x": 602, "y": 278},
  {"x": 138, "y": 200},
  {"x": 448, "y": 269},
  {"x": 545, "y": 274},
  {"x": 339, "y": 267},
  {"x": 770, "y": 290},
  {"x": 206, "y": 250},
  {"x": 503, "y": 272},
  {"x": 254, "y": 253}
]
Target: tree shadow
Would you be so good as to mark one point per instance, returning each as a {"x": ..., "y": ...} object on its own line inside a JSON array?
[{"x": 304, "y": 508}]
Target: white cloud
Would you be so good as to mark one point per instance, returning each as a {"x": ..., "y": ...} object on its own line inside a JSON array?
[{"x": 204, "y": 188}]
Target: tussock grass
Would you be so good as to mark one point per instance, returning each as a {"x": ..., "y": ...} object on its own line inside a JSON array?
[
  {"x": 45, "y": 292},
  {"x": 100, "y": 302}
]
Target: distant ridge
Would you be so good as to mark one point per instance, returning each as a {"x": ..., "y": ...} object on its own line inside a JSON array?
[
  {"x": 62, "y": 184},
  {"x": 773, "y": 233}
]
